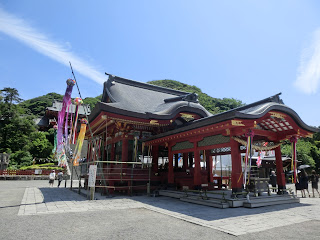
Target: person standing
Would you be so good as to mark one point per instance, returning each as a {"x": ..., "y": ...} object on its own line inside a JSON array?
[
  {"x": 304, "y": 182},
  {"x": 52, "y": 176},
  {"x": 273, "y": 181},
  {"x": 314, "y": 178},
  {"x": 60, "y": 178}
]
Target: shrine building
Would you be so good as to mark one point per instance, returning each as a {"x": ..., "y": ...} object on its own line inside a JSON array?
[
  {"x": 143, "y": 134},
  {"x": 50, "y": 117}
]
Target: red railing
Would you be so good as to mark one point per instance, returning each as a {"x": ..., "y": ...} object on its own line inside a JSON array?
[{"x": 25, "y": 172}]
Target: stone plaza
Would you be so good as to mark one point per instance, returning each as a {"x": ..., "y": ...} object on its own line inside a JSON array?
[{"x": 31, "y": 209}]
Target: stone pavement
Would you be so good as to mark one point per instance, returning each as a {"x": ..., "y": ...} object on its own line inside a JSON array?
[{"x": 234, "y": 221}]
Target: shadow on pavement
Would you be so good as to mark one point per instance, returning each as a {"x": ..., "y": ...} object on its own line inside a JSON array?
[{"x": 54, "y": 194}]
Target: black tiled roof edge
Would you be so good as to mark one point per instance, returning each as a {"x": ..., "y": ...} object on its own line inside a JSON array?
[
  {"x": 100, "y": 106},
  {"x": 145, "y": 85},
  {"x": 236, "y": 113}
]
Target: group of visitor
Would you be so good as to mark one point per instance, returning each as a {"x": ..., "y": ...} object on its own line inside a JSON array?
[
  {"x": 52, "y": 177},
  {"x": 302, "y": 182}
]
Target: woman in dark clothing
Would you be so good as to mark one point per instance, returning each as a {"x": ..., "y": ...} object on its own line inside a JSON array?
[
  {"x": 304, "y": 182},
  {"x": 299, "y": 186},
  {"x": 314, "y": 178}
]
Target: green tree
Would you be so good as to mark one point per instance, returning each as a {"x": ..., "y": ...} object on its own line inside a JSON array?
[
  {"x": 304, "y": 149},
  {"x": 18, "y": 132},
  {"x": 40, "y": 147},
  {"x": 92, "y": 101},
  {"x": 15, "y": 133},
  {"x": 10, "y": 95},
  {"x": 9, "y": 98},
  {"x": 20, "y": 158}
]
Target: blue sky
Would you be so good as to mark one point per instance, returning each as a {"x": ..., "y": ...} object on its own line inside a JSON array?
[{"x": 248, "y": 50}]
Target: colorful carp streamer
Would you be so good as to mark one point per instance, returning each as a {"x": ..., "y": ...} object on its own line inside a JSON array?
[
  {"x": 82, "y": 133},
  {"x": 66, "y": 126},
  {"x": 77, "y": 101},
  {"x": 61, "y": 118},
  {"x": 249, "y": 136},
  {"x": 293, "y": 141},
  {"x": 55, "y": 127}
]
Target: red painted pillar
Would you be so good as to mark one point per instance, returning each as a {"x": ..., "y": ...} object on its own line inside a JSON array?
[
  {"x": 209, "y": 164},
  {"x": 236, "y": 174},
  {"x": 155, "y": 158},
  {"x": 124, "y": 155},
  {"x": 281, "y": 180},
  {"x": 185, "y": 161},
  {"x": 197, "y": 171},
  {"x": 170, "y": 167}
]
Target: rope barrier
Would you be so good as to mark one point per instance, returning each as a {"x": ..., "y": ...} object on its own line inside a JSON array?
[{"x": 259, "y": 148}]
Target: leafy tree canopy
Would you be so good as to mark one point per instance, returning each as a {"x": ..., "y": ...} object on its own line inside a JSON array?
[
  {"x": 303, "y": 152},
  {"x": 92, "y": 101},
  {"x": 38, "y": 105},
  {"x": 18, "y": 132}
]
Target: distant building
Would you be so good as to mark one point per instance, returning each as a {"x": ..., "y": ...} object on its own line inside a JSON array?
[{"x": 51, "y": 115}]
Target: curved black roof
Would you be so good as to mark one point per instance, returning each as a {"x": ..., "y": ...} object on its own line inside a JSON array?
[
  {"x": 254, "y": 110},
  {"x": 132, "y": 98}
]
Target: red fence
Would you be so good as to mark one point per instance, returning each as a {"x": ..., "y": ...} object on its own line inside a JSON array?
[{"x": 25, "y": 172}]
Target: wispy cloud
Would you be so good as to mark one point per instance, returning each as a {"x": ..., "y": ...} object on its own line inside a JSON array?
[
  {"x": 308, "y": 78},
  {"x": 21, "y": 30}
]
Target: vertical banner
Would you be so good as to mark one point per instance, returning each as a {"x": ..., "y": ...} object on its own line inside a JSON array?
[
  {"x": 55, "y": 127},
  {"x": 77, "y": 101},
  {"x": 249, "y": 136},
  {"x": 293, "y": 141},
  {"x": 61, "y": 118},
  {"x": 78, "y": 149},
  {"x": 66, "y": 127}
]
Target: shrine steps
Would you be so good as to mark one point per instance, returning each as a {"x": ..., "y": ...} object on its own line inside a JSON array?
[
  {"x": 225, "y": 201},
  {"x": 207, "y": 202},
  {"x": 270, "y": 200},
  {"x": 173, "y": 194},
  {"x": 195, "y": 198}
]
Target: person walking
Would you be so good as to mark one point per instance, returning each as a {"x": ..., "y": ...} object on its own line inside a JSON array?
[
  {"x": 304, "y": 182},
  {"x": 314, "y": 178},
  {"x": 52, "y": 176},
  {"x": 60, "y": 178}
]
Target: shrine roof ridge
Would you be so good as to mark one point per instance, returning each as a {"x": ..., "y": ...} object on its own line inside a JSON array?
[
  {"x": 131, "y": 98},
  {"x": 251, "y": 111},
  {"x": 144, "y": 85}
]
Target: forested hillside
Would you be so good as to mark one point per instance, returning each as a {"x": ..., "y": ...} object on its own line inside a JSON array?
[
  {"x": 37, "y": 106},
  {"x": 213, "y": 105}
]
